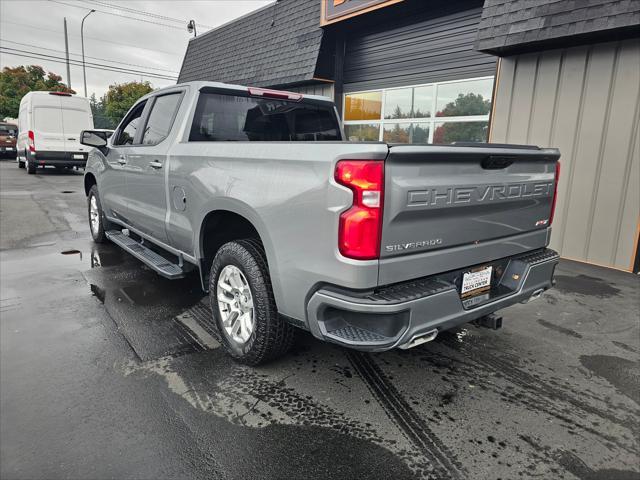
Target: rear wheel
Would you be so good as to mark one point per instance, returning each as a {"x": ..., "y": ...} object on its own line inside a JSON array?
[
  {"x": 97, "y": 223},
  {"x": 30, "y": 165},
  {"x": 20, "y": 163},
  {"x": 243, "y": 305}
]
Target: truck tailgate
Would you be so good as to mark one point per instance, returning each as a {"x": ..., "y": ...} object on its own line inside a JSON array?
[{"x": 449, "y": 207}]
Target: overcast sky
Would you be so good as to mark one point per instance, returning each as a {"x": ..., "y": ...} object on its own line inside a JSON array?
[{"x": 154, "y": 43}]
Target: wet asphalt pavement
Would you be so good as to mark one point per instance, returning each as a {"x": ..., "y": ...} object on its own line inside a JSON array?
[{"x": 110, "y": 371}]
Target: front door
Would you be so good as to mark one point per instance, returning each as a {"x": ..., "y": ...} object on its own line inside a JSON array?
[
  {"x": 113, "y": 186},
  {"x": 146, "y": 169}
]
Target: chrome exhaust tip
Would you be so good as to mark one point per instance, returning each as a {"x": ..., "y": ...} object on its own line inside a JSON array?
[
  {"x": 420, "y": 339},
  {"x": 535, "y": 295}
]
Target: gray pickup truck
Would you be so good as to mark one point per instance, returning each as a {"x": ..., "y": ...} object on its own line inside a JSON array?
[{"x": 367, "y": 245}]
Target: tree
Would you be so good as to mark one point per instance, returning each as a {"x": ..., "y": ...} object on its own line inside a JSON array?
[
  {"x": 100, "y": 118},
  {"x": 120, "y": 98},
  {"x": 16, "y": 82}
]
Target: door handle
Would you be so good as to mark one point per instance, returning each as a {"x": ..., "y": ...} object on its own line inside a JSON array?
[
  {"x": 155, "y": 164},
  {"x": 122, "y": 160}
]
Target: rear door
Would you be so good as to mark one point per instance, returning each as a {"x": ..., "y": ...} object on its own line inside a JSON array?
[
  {"x": 76, "y": 116},
  {"x": 449, "y": 207},
  {"x": 47, "y": 124},
  {"x": 146, "y": 168}
]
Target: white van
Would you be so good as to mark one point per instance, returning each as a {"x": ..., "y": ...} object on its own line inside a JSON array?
[{"x": 49, "y": 126}]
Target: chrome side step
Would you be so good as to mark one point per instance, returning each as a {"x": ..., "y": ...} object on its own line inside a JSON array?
[{"x": 152, "y": 259}]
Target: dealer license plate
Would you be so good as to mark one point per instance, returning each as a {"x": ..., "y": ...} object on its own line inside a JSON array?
[
  {"x": 79, "y": 156},
  {"x": 476, "y": 282}
]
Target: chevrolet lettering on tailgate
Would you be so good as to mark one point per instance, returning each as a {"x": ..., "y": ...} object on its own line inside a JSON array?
[{"x": 485, "y": 193}]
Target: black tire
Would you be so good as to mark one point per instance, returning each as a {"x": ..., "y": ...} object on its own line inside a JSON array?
[
  {"x": 31, "y": 166},
  {"x": 20, "y": 163},
  {"x": 103, "y": 224},
  {"x": 272, "y": 336}
]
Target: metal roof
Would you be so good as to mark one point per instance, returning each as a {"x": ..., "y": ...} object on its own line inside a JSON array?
[
  {"x": 510, "y": 26},
  {"x": 275, "y": 45}
]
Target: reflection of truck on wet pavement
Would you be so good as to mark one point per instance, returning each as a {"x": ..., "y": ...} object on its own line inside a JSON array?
[{"x": 367, "y": 245}]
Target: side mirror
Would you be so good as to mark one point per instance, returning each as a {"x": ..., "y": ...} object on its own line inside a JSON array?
[{"x": 93, "y": 138}]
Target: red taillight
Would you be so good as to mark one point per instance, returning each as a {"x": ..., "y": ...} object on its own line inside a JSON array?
[
  {"x": 555, "y": 193},
  {"x": 280, "y": 94},
  {"x": 32, "y": 141},
  {"x": 360, "y": 226}
]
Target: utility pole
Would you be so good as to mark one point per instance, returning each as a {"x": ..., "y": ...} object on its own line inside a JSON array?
[
  {"x": 66, "y": 49},
  {"x": 84, "y": 70}
]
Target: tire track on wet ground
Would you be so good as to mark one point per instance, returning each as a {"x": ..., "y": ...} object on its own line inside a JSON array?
[{"x": 444, "y": 462}]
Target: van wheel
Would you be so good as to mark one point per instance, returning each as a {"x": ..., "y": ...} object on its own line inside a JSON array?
[
  {"x": 243, "y": 306},
  {"x": 20, "y": 163},
  {"x": 97, "y": 223},
  {"x": 31, "y": 166}
]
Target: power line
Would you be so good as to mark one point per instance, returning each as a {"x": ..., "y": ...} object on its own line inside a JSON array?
[
  {"x": 144, "y": 13},
  {"x": 87, "y": 56},
  {"x": 77, "y": 63},
  {"x": 92, "y": 38},
  {"x": 118, "y": 15}
]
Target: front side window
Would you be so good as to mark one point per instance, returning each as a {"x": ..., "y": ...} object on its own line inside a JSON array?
[
  {"x": 161, "y": 118},
  {"x": 238, "y": 118},
  {"x": 443, "y": 112},
  {"x": 127, "y": 132}
]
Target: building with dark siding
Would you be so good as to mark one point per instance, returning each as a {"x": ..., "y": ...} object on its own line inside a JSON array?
[{"x": 559, "y": 73}]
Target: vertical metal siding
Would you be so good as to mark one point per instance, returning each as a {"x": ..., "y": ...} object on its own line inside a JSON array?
[
  {"x": 585, "y": 101},
  {"x": 418, "y": 50}
]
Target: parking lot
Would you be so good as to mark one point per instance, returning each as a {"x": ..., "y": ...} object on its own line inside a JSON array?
[{"x": 110, "y": 371}]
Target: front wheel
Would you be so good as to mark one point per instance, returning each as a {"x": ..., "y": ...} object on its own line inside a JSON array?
[
  {"x": 243, "y": 306},
  {"x": 97, "y": 223}
]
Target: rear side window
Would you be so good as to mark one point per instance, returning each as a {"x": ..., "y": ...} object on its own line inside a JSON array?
[
  {"x": 161, "y": 118},
  {"x": 127, "y": 132},
  {"x": 237, "y": 118}
]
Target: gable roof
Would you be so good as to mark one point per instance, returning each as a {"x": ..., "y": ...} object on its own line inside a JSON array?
[
  {"x": 275, "y": 45},
  {"x": 512, "y": 26}
]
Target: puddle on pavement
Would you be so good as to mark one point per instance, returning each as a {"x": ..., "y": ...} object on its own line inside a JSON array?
[{"x": 585, "y": 285}]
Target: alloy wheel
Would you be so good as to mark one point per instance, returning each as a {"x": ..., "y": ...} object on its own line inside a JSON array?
[{"x": 235, "y": 303}]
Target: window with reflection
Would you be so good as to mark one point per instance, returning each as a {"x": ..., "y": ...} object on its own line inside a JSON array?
[
  {"x": 445, "y": 112},
  {"x": 461, "y": 99},
  {"x": 368, "y": 132},
  {"x": 449, "y": 132},
  {"x": 363, "y": 106}
]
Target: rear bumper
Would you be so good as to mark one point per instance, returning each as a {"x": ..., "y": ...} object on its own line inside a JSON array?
[
  {"x": 62, "y": 159},
  {"x": 396, "y": 315}
]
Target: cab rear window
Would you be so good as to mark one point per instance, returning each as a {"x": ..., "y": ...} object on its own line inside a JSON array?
[{"x": 220, "y": 118}]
